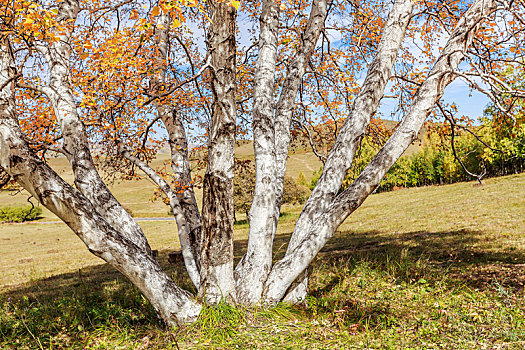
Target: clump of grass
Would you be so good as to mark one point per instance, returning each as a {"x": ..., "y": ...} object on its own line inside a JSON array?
[
  {"x": 215, "y": 325},
  {"x": 19, "y": 214}
]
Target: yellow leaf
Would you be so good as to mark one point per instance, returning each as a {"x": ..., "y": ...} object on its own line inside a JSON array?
[
  {"x": 28, "y": 22},
  {"x": 235, "y": 4},
  {"x": 176, "y": 23}
]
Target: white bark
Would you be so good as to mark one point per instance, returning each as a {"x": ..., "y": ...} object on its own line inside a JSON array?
[
  {"x": 180, "y": 164},
  {"x": 294, "y": 263},
  {"x": 342, "y": 153},
  {"x": 108, "y": 230},
  {"x": 173, "y": 305},
  {"x": 292, "y": 82},
  {"x": 75, "y": 142},
  {"x": 183, "y": 227},
  {"x": 271, "y": 143},
  {"x": 254, "y": 267}
]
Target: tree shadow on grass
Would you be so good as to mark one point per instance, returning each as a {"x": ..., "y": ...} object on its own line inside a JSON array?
[
  {"x": 98, "y": 296},
  {"x": 467, "y": 257},
  {"x": 453, "y": 251}
]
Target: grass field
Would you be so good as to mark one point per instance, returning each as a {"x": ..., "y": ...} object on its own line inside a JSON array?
[{"x": 439, "y": 267}]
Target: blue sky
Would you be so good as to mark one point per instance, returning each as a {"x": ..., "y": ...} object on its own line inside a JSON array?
[
  {"x": 457, "y": 92},
  {"x": 471, "y": 106}
]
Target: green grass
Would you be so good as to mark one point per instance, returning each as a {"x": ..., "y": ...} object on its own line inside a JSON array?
[
  {"x": 439, "y": 267},
  {"x": 19, "y": 214}
]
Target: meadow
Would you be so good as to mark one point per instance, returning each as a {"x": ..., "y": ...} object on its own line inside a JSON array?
[{"x": 438, "y": 267}]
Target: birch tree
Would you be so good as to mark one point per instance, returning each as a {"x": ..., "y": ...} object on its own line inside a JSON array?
[{"x": 173, "y": 82}]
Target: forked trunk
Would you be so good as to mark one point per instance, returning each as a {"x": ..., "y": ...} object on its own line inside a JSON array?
[
  {"x": 271, "y": 130},
  {"x": 75, "y": 141},
  {"x": 254, "y": 267},
  {"x": 173, "y": 305},
  {"x": 342, "y": 154},
  {"x": 315, "y": 237},
  {"x": 110, "y": 233}
]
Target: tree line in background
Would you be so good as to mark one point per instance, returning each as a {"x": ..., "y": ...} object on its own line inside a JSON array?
[{"x": 437, "y": 162}]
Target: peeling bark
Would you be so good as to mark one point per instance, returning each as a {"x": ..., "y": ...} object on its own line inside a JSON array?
[
  {"x": 180, "y": 165},
  {"x": 271, "y": 143},
  {"x": 4, "y": 178},
  {"x": 254, "y": 267},
  {"x": 298, "y": 258},
  {"x": 217, "y": 281},
  {"x": 183, "y": 226},
  {"x": 286, "y": 103},
  {"x": 178, "y": 143}
]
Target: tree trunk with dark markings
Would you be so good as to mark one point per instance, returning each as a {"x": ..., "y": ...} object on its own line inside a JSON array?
[
  {"x": 342, "y": 154},
  {"x": 178, "y": 143},
  {"x": 180, "y": 164},
  {"x": 4, "y": 178},
  {"x": 75, "y": 140},
  {"x": 313, "y": 238},
  {"x": 217, "y": 208},
  {"x": 174, "y": 305}
]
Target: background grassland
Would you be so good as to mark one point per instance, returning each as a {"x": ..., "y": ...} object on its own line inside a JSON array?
[{"x": 438, "y": 267}]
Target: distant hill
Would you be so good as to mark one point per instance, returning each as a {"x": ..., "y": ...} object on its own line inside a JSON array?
[{"x": 244, "y": 148}]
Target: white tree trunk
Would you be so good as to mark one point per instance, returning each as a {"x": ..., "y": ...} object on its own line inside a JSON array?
[
  {"x": 180, "y": 165},
  {"x": 173, "y": 305},
  {"x": 183, "y": 226},
  {"x": 292, "y": 82},
  {"x": 254, "y": 267},
  {"x": 313, "y": 239},
  {"x": 271, "y": 143},
  {"x": 108, "y": 231},
  {"x": 75, "y": 142},
  {"x": 187, "y": 213},
  {"x": 342, "y": 153}
]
